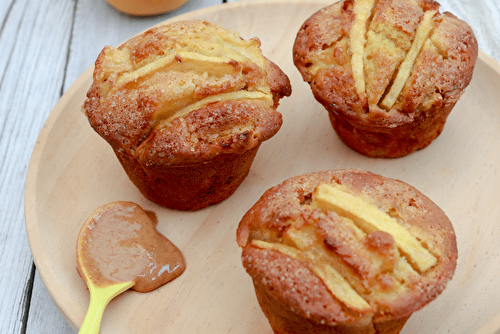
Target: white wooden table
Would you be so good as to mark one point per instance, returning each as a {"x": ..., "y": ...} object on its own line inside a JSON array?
[{"x": 45, "y": 45}]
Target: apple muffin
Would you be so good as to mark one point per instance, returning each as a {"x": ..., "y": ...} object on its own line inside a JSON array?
[
  {"x": 388, "y": 72},
  {"x": 185, "y": 106},
  {"x": 345, "y": 251}
]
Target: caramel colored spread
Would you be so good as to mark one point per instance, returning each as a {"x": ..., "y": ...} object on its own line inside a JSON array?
[{"x": 120, "y": 243}]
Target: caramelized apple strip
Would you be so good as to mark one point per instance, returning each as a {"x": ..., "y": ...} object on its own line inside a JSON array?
[
  {"x": 334, "y": 282},
  {"x": 202, "y": 65},
  {"x": 185, "y": 61},
  {"x": 168, "y": 114},
  {"x": 421, "y": 35},
  {"x": 370, "y": 218},
  {"x": 307, "y": 240},
  {"x": 362, "y": 12},
  {"x": 245, "y": 50},
  {"x": 302, "y": 239}
]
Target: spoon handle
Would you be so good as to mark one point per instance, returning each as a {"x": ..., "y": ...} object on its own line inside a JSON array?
[{"x": 99, "y": 299}]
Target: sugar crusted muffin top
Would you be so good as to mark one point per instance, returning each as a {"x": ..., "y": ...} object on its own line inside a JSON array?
[
  {"x": 389, "y": 61},
  {"x": 185, "y": 92},
  {"x": 348, "y": 246}
]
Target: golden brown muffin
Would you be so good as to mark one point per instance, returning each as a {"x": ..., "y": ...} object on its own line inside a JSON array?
[
  {"x": 345, "y": 251},
  {"x": 185, "y": 107},
  {"x": 388, "y": 72}
]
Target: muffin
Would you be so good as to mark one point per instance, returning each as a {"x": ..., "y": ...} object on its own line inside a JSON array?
[
  {"x": 388, "y": 72},
  {"x": 185, "y": 106},
  {"x": 345, "y": 251}
]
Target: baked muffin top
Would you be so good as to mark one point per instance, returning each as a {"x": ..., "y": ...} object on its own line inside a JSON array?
[
  {"x": 387, "y": 61},
  {"x": 185, "y": 92},
  {"x": 348, "y": 245}
]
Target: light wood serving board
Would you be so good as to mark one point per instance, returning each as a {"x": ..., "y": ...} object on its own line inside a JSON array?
[{"x": 73, "y": 171}]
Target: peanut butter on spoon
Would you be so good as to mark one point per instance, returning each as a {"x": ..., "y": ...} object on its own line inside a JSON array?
[{"x": 119, "y": 248}]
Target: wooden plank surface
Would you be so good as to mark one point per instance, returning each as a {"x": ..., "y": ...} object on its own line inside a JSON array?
[
  {"x": 34, "y": 50},
  {"x": 46, "y": 45}
]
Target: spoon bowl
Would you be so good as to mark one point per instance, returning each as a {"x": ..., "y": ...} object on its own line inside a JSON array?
[
  {"x": 102, "y": 291},
  {"x": 119, "y": 248}
]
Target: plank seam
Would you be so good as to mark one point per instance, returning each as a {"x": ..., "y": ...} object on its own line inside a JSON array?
[{"x": 27, "y": 299}]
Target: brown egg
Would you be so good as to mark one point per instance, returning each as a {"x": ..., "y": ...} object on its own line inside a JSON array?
[{"x": 145, "y": 7}]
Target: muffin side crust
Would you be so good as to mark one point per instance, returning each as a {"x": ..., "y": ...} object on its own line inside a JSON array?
[
  {"x": 374, "y": 249},
  {"x": 389, "y": 72}
]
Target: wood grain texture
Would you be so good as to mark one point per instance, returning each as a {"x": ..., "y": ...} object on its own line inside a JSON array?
[
  {"x": 46, "y": 45},
  {"x": 34, "y": 50}
]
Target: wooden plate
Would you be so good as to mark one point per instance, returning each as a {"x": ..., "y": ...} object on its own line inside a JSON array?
[{"x": 73, "y": 171}]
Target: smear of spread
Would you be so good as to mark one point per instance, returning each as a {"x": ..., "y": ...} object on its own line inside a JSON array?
[{"x": 120, "y": 243}]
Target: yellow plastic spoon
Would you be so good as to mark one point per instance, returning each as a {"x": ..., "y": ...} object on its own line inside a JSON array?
[
  {"x": 99, "y": 299},
  {"x": 119, "y": 248}
]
